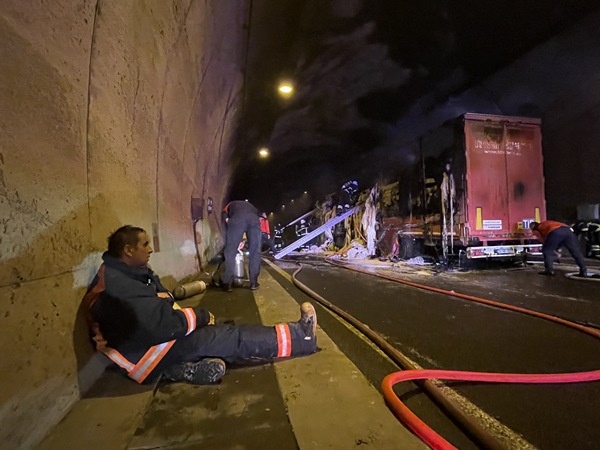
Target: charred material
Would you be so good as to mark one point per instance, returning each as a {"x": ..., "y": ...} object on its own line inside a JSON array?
[{"x": 476, "y": 187}]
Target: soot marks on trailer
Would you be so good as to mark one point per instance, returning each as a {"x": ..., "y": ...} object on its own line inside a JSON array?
[{"x": 519, "y": 189}]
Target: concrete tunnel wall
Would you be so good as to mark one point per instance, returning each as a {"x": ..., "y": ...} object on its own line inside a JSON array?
[{"x": 112, "y": 112}]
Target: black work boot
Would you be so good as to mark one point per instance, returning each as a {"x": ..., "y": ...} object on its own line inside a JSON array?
[
  {"x": 226, "y": 287},
  {"x": 205, "y": 371},
  {"x": 547, "y": 272}
]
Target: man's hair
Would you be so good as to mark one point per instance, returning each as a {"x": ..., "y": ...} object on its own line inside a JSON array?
[
  {"x": 126, "y": 235},
  {"x": 534, "y": 225}
]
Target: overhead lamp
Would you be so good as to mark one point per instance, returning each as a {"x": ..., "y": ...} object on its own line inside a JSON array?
[
  {"x": 285, "y": 88},
  {"x": 263, "y": 152}
]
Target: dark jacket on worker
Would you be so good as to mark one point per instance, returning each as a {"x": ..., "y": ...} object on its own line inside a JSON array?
[
  {"x": 130, "y": 323},
  {"x": 238, "y": 208}
]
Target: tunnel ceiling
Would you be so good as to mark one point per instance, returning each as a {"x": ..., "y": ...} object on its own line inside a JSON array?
[{"x": 358, "y": 67}]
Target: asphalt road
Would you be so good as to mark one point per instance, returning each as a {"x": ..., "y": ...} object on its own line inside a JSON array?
[{"x": 443, "y": 332}]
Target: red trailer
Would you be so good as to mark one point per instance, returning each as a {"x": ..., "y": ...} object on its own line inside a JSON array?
[{"x": 478, "y": 186}]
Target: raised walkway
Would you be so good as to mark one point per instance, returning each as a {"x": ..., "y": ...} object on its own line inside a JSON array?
[{"x": 321, "y": 401}]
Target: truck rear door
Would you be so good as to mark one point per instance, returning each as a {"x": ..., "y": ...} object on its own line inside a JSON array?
[{"x": 505, "y": 183}]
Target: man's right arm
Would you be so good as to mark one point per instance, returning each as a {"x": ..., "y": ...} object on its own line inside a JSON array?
[
  {"x": 162, "y": 322},
  {"x": 154, "y": 319}
]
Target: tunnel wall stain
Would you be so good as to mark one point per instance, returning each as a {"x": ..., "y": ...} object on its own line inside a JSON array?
[{"x": 112, "y": 112}]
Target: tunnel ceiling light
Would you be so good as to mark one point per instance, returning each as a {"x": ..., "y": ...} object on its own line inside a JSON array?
[
  {"x": 263, "y": 152},
  {"x": 285, "y": 89}
]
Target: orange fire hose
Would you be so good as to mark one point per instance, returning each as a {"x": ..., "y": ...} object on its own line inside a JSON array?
[
  {"x": 429, "y": 436},
  {"x": 422, "y": 430}
]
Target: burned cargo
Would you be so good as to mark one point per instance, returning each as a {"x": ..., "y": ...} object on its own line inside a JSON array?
[{"x": 475, "y": 189}]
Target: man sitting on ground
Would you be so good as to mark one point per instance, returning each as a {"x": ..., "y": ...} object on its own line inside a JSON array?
[{"x": 137, "y": 325}]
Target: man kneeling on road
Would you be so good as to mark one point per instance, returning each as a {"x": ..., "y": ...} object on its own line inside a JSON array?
[{"x": 137, "y": 325}]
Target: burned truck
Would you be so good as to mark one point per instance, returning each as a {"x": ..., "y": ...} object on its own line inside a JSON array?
[{"x": 477, "y": 185}]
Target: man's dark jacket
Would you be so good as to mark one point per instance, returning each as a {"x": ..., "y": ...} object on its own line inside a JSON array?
[{"x": 130, "y": 322}]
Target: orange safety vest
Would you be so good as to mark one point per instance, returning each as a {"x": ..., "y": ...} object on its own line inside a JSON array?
[
  {"x": 548, "y": 226},
  {"x": 264, "y": 226}
]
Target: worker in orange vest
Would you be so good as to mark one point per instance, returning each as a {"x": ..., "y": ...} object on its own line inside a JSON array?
[
  {"x": 554, "y": 234},
  {"x": 265, "y": 230}
]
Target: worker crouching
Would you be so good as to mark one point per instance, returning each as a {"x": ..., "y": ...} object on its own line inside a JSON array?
[{"x": 553, "y": 235}]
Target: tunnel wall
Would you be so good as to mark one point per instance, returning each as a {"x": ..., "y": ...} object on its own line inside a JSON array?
[{"x": 113, "y": 112}]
